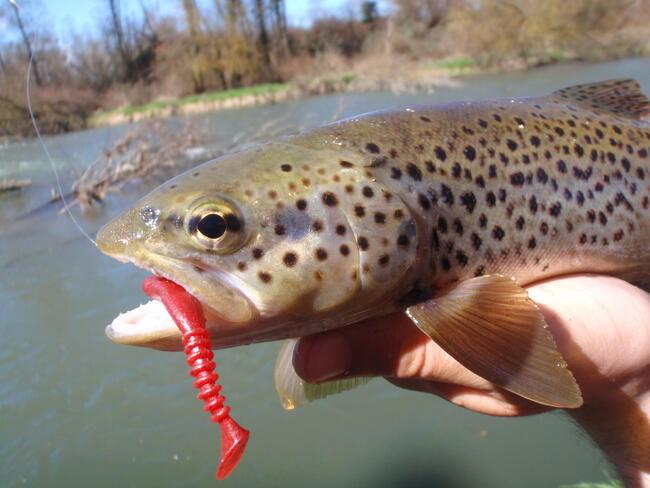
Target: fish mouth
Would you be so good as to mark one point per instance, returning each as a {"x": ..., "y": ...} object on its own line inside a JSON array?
[{"x": 227, "y": 309}]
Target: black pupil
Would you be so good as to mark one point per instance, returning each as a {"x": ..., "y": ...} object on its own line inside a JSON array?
[{"x": 212, "y": 226}]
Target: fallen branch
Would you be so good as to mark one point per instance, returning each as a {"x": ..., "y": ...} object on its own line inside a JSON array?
[{"x": 7, "y": 185}]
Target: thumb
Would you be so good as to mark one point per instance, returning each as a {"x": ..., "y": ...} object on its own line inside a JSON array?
[{"x": 390, "y": 346}]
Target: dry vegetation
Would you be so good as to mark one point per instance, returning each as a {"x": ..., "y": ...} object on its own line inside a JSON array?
[
  {"x": 151, "y": 150},
  {"x": 242, "y": 43}
]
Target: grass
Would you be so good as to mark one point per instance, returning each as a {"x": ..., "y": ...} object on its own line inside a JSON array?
[
  {"x": 454, "y": 64},
  {"x": 210, "y": 97}
]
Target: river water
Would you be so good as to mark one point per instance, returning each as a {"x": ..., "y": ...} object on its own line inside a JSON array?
[{"x": 77, "y": 410}]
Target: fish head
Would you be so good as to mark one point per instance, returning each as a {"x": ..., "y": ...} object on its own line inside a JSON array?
[{"x": 262, "y": 238}]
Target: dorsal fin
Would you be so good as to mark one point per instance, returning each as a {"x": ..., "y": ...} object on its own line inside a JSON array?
[{"x": 622, "y": 97}]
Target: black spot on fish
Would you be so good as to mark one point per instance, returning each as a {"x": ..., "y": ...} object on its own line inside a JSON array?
[
  {"x": 290, "y": 259},
  {"x": 414, "y": 172},
  {"x": 447, "y": 194},
  {"x": 344, "y": 250},
  {"x": 498, "y": 233},
  {"x": 468, "y": 200},
  {"x": 286, "y": 168},
  {"x": 321, "y": 254},
  {"x": 440, "y": 153},
  {"x": 517, "y": 179},
  {"x": 301, "y": 204},
  {"x": 367, "y": 192},
  {"x": 476, "y": 241},
  {"x": 373, "y": 148},
  {"x": 470, "y": 153},
  {"x": 395, "y": 173},
  {"x": 330, "y": 199},
  {"x": 458, "y": 227},
  {"x": 363, "y": 243},
  {"x": 264, "y": 276},
  {"x": 512, "y": 145},
  {"x": 442, "y": 225},
  {"x": 555, "y": 209},
  {"x": 424, "y": 201},
  {"x": 626, "y": 164},
  {"x": 520, "y": 223}
]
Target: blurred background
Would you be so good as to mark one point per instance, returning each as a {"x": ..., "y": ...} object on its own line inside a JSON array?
[
  {"x": 130, "y": 92},
  {"x": 107, "y": 61}
]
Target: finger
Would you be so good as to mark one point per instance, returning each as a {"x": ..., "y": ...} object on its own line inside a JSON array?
[
  {"x": 387, "y": 346},
  {"x": 497, "y": 402},
  {"x": 600, "y": 325}
]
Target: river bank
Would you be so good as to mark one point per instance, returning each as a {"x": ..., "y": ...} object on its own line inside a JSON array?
[{"x": 422, "y": 77}]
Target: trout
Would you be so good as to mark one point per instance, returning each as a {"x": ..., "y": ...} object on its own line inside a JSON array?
[{"x": 443, "y": 211}]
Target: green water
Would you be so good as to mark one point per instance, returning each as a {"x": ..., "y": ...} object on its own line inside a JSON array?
[{"x": 77, "y": 410}]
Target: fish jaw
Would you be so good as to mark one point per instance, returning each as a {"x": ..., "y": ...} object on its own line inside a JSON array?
[{"x": 224, "y": 299}]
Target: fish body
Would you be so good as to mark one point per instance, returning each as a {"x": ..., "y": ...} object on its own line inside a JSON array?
[{"x": 383, "y": 211}]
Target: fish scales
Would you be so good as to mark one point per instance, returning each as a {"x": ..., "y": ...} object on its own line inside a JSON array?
[
  {"x": 527, "y": 188},
  {"x": 366, "y": 216}
]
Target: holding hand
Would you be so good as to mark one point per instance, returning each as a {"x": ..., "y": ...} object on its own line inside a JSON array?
[{"x": 600, "y": 324}]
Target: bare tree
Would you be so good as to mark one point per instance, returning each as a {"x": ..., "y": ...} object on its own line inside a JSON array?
[
  {"x": 262, "y": 33},
  {"x": 26, "y": 41},
  {"x": 118, "y": 31},
  {"x": 279, "y": 20}
]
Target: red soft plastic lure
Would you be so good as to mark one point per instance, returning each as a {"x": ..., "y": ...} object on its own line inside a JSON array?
[{"x": 188, "y": 316}]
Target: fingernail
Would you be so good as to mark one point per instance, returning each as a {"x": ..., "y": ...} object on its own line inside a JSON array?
[{"x": 329, "y": 357}]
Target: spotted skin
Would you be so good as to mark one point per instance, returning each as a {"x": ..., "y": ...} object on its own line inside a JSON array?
[{"x": 371, "y": 214}]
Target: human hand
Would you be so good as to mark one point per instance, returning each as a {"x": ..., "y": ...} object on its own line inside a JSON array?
[{"x": 600, "y": 324}]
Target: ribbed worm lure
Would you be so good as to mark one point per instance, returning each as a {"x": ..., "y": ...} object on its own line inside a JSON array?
[{"x": 187, "y": 313}]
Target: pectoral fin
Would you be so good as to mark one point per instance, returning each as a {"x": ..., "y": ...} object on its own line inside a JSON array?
[
  {"x": 294, "y": 392},
  {"x": 491, "y": 327}
]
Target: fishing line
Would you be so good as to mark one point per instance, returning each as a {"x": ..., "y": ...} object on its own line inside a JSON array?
[{"x": 47, "y": 153}]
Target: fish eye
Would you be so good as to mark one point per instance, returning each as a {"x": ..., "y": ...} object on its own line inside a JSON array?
[
  {"x": 212, "y": 226},
  {"x": 215, "y": 226}
]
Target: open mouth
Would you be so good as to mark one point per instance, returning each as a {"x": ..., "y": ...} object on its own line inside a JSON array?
[{"x": 149, "y": 324}]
